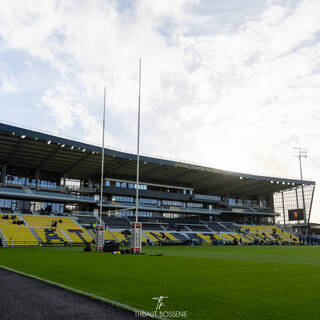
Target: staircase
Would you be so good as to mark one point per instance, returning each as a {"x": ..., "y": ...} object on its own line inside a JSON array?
[
  {"x": 3, "y": 238},
  {"x": 35, "y": 234}
]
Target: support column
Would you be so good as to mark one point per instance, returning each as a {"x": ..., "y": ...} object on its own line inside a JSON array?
[
  {"x": 37, "y": 177},
  {"x": 283, "y": 210},
  {"x": 64, "y": 180},
  {"x": 311, "y": 202},
  {"x": 89, "y": 182},
  {"x": 3, "y": 173},
  {"x": 297, "y": 202},
  {"x": 297, "y": 199}
]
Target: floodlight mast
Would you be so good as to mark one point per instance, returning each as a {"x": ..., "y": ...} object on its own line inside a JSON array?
[{"x": 302, "y": 153}]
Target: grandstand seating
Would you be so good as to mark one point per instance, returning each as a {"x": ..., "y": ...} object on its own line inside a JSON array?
[
  {"x": 151, "y": 226},
  {"x": 116, "y": 222},
  {"x": 198, "y": 227},
  {"x": 77, "y": 235},
  {"x": 108, "y": 235},
  {"x": 46, "y": 221},
  {"x": 227, "y": 237},
  {"x": 8, "y": 219},
  {"x": 284, "y": 234},
  {"x": 151, "y": 237},
  {"x": 219, "y": 237},
  {"x": 39, "y": 230},
  {"x": 51, "y": 235},
  {"x": 217, "y": 227},
  {"x": 170, "y": 236},
  {"x": 179, "y": 236},
  {"x": 119, "y": 236},
  {"x": 18, "y": 235},
  {"x": 265, "y": 233},
  {"x": 206, "y": 238}
]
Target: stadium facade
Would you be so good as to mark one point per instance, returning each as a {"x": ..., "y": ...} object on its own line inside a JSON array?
[{"x": 43, "y": 174}]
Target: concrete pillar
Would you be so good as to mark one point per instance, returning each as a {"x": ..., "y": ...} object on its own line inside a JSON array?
[
  {"x": 90, "y": 183},
  {"x": 37, "y": 178},
  {"x": 3, "y": 173},
  {"x": 64, "y": 180}
]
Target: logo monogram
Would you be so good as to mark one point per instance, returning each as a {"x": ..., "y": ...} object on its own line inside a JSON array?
[{"x": 160, "y": 301}]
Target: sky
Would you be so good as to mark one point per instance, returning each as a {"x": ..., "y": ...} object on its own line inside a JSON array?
[{"x": 230, "y": 84}]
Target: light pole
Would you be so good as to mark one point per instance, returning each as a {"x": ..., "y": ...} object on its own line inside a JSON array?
[{"x": 302, "y": 153}]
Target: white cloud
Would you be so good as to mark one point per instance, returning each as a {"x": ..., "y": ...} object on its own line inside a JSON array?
[
  {"x": 238, "y": 98},
  {"x": 7, "y": 81}
]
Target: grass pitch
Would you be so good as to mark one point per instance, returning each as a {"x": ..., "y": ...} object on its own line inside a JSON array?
[{"x": 208, "y": 282}]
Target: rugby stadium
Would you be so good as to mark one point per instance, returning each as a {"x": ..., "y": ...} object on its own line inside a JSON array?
[{"x": 215, "y": 243}]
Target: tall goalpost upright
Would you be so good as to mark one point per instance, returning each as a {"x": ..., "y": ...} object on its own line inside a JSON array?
[
  {"x": 100, "y": 228},
  {"x": 136, "y": 227}
]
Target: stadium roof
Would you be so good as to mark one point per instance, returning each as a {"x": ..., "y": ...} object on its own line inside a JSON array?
[{"x": 32, "y": 149}]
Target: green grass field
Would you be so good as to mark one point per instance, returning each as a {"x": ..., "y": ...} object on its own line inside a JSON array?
[{"x": 208, "y": 282}]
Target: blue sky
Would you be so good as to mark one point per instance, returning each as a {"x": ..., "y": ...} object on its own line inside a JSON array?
[{"x": 232, "y": 84}]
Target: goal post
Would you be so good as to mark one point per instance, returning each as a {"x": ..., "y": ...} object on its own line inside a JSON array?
[
  {"x": 135, "y": 240},
  {"x": 99, "y": 238}
]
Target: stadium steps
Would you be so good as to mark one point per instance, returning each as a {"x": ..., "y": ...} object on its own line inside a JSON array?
[
  {"x": 159, "y": 236},
  {"x": 66, "y": 235},
  {"x": 108, "y": 235},
  {"x": 35, "y": 234},
  {"x": 194, "y": 236},
  {"x": 165, "y": 236},
  {"x": 243, "y": 239},
  {"x": 179, "y": 236},
  {"x": 170, "y": 236},
  {"x": 206, "y": 238},
  {"x": 227, "y": 237},
  {"x": 223, "y": 226},
  {"x": 91, "y": 233},
  {"x": 151, "y": 237},
  {"x": 119, "y": 236},
  {"x": 3, "y": 238},
  {"x": 248, "y": 236},
  {"x": 76, "y": 222},
  {"x": 219, "y": 237}
]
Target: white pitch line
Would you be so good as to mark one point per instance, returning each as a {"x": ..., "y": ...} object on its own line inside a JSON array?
[{"x": 88, "y": 294}]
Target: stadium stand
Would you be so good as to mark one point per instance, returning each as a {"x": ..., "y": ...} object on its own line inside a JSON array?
[{"x": 50, "y": 202}]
